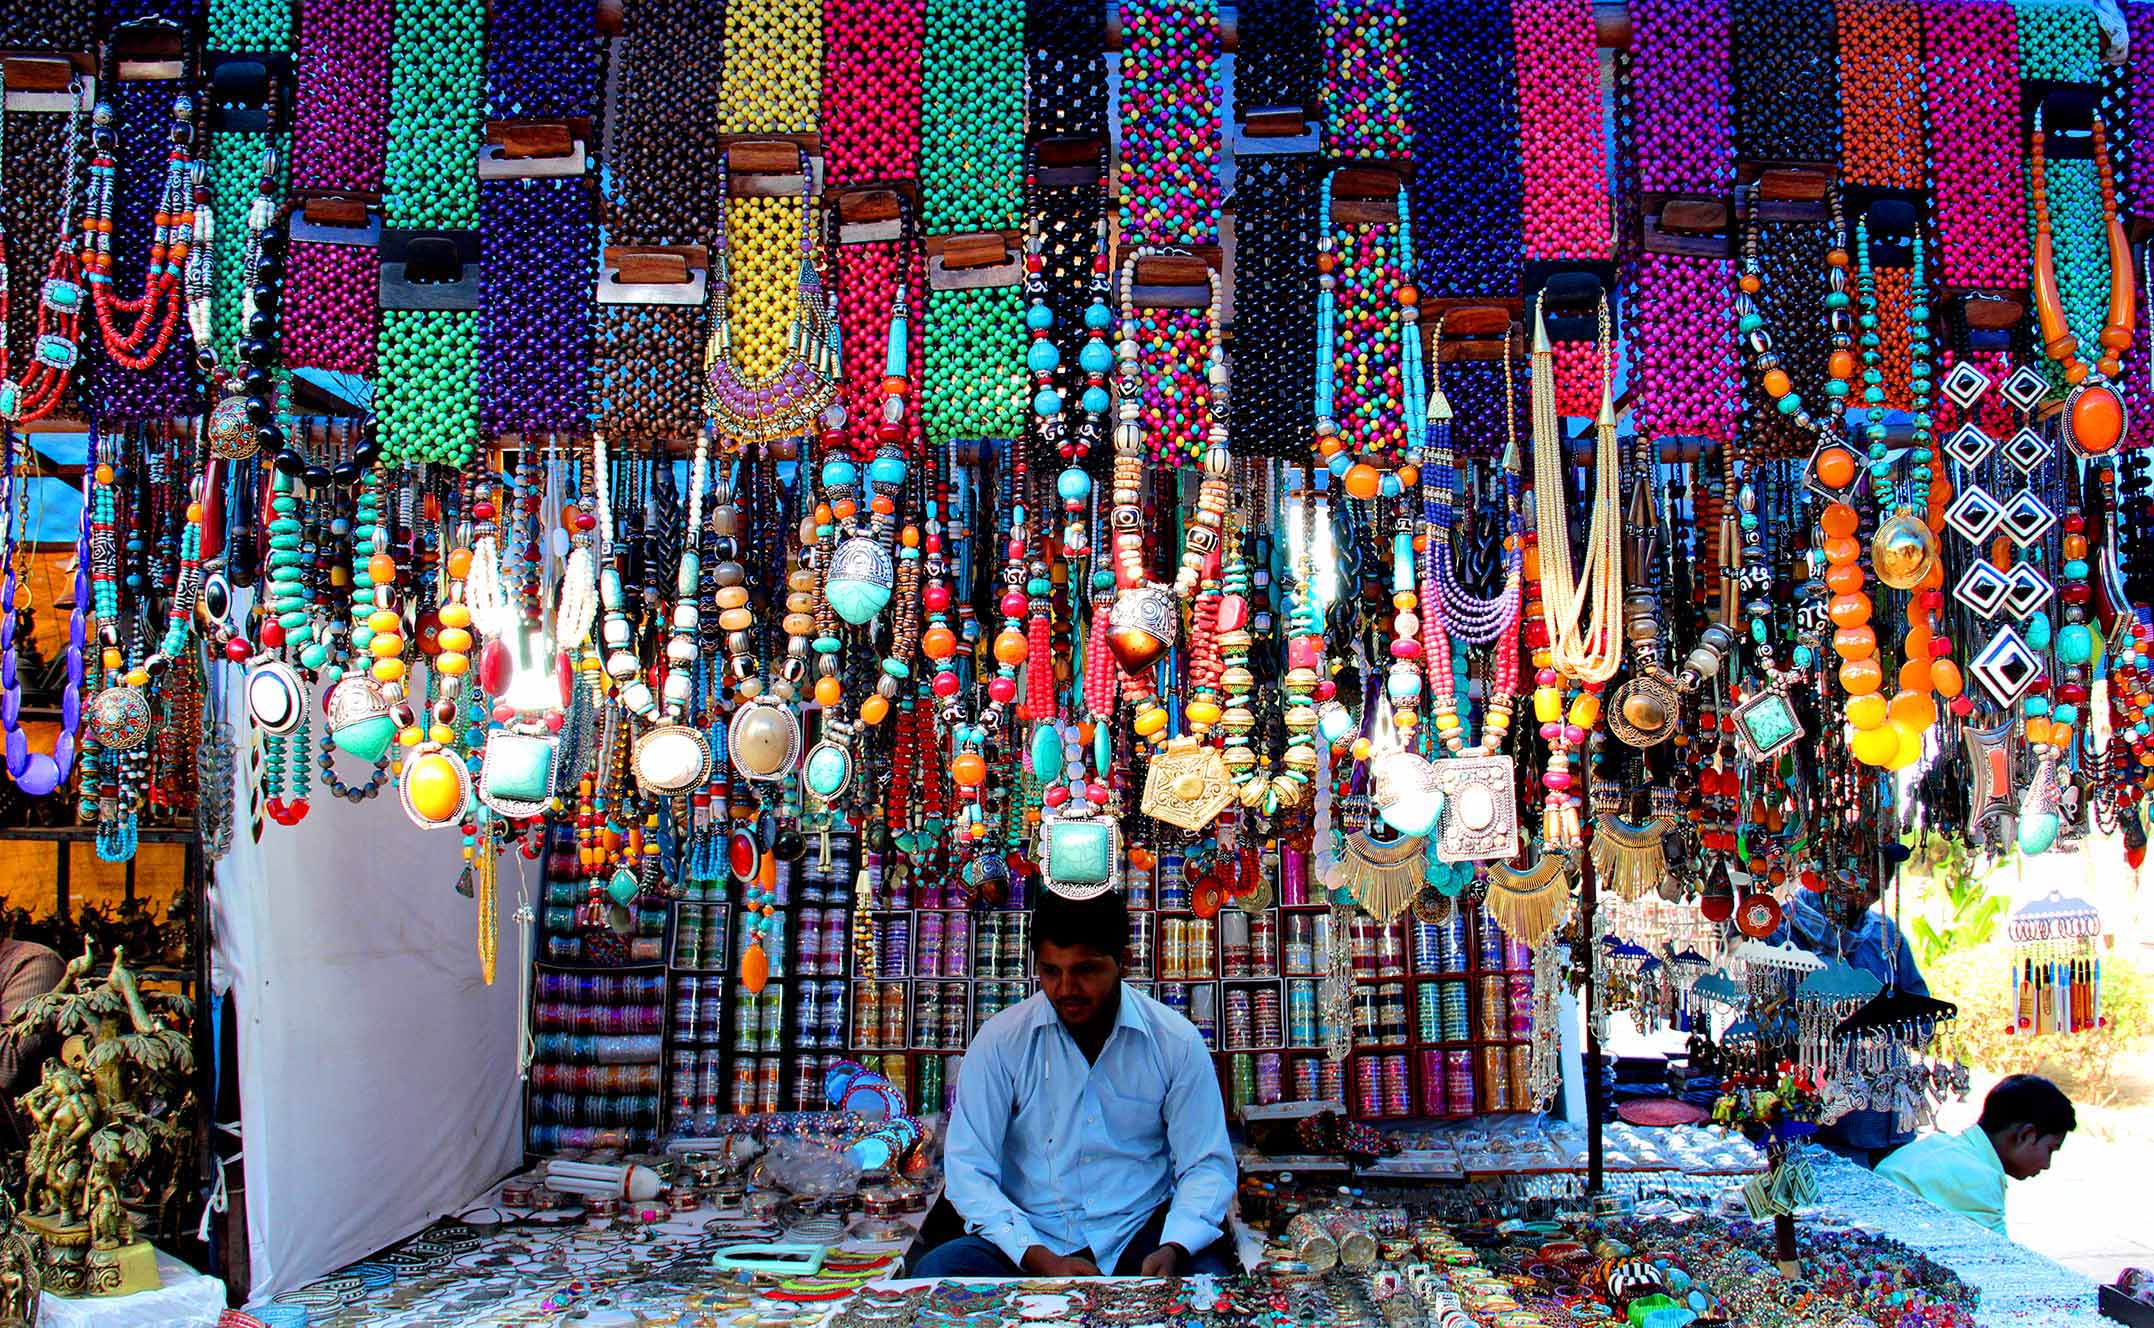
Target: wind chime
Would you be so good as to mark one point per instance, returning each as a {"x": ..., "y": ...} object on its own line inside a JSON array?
[{"x": 2056, "y": 967}]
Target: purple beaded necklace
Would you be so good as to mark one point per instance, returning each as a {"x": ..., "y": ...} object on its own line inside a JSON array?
[{"x": 40, "y": 773}]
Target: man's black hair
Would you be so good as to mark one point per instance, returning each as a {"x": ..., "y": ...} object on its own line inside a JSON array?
[
  {"x": 1101, "y": 922},
  {"x": 2028, "y": 1099}
]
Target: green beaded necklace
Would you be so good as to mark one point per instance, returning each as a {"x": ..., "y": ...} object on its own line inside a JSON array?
[
  {"x": 972, "y": 115},
  {"x": 2060, "y": 41}
]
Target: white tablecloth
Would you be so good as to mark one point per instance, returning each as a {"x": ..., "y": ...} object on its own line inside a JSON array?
[
  {"x": 2020, "y": 1288},
  {"x": 186, "y": 1300}
]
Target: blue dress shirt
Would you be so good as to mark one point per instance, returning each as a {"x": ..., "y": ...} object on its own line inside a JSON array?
[
  {"x": 1045, "y": 1149},
  {"x": 1876, "y": 947}
]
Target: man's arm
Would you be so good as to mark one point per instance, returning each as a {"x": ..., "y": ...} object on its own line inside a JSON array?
[
  {"x": 972, "y": 1156},
  {"x": 37, "y": 974},
  {"x": 1204, "y": 1173}
]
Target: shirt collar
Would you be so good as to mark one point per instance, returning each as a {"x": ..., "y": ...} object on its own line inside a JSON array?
[{"x": 1983, "y": 1147}]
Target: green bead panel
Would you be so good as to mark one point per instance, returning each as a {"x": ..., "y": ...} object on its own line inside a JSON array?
[
  {"x": 974, "y": 380},
  {"x": 235, "y": 169},
  {"x": 427, "y": 394},
  {"x": 250, "y": 25},
  {"x": 972, "y": 115},
  {"x": 435, "y": 120},
  {"x": 2059, "y": 40}
]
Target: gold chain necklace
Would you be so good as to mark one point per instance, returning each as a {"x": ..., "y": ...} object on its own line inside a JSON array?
[{"x": 1594, "y": 653}]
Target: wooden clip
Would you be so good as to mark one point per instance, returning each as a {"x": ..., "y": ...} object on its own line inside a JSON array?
[
  {"x": 149, "y": 51},
  {"x": 764, "y": 156},
  {"x": 42, "y": 82},
  {"x": 335, "y": 218},
  {"x": 964, "y": 253},
  {"x": 39, "y": 73},
  {"x": 1275, "y": 122},
  {"x": 653, "y": 274},
  {"x": 1788, "y": 190},
  {"x": 1993, "y": 311},
  {"x": 974, "y": 260},
  {"x": 1793, "y": 185},
  {"x": 534, "y": 149},
  {"x": 1473, "y": 329},
  {"x": 521, "y": 140},
  {"x": 429, "y": 269},
  {"x": 1694, "y": 216}
]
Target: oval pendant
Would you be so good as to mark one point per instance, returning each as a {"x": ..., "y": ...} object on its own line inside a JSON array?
[
  {"x": 763, "y": 740},
  {"x": 2096, "y": 419},
  {"x": 276, "y": 698},
  {"x": 672, "y": 758},
  {"x": 828, "y": 771},
  {"x": 743, "y": 856},
  {"x": 1642, "y": 712},
  {"x": 435, "y": 786},
  {"x": 231, "y": 433}
]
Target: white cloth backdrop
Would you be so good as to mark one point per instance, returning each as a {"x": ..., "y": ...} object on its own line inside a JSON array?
[{"x": 377, "y": 1073}]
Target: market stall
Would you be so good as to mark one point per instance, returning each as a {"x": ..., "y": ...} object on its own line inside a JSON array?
[{"x": 638, "y": 550}]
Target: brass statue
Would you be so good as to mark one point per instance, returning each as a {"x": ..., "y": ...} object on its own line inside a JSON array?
[{"x": 110, "y": 1130}]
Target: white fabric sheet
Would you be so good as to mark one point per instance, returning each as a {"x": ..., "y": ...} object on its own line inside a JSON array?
[
  {"x": 377, "y": 1072},
  {"x": 185, "y": 1299}
]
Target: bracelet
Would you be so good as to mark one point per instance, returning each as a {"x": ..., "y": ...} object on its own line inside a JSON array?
[
  {"x": 1275, "y": 305},
  {"x": 972, "y": 109},
  {"x": 771, "y": 77},
  {"x": 2062, "y": 43},
  {"x": 1565, "y": 213},
  {"x": 1971, "y": 90},
  {"x": 1465, "y": 113},
  {"x": 1065, "y": 69},
  {"x": 1364, "y": 94},
  {"x": 1683, "y": 356},
  {"x": 1170, "y": 123},
  {"x": 1787, "y": 101},
  {"x": 871, "y": 92},
  {"x": 1880, "y": 78}
]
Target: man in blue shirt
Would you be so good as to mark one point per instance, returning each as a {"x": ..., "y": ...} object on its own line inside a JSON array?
[
  {"x": 1852, "y": 928},
  {"x": 1088, "y": 1133}
]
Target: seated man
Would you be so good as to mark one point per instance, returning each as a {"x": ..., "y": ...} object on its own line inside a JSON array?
[
  {"x": 2024, "y": 1120},
  {"x": 1851, "y": 927},
  {"x": 1088, "y": 1133}
]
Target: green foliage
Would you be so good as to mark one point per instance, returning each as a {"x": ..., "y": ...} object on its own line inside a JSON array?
[
  {"x": 2085, "y": 1065},
  {"x": 1971, "y": 911}
]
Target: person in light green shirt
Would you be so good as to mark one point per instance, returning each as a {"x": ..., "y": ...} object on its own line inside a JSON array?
[{"x": 2024, "y": 1121}]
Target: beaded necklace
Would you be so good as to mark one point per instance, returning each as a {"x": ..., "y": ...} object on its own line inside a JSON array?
[
  {"x": 752, "y": 406},
  {"x": 56, "y": 351},
  {"x": 1364, "y": 451},
  {"x": 1831, "y": 463},
  {"x": 1451, "y": 612},
  {"x": 39, "y": 774},
  {"x": 972, "y": 115},
  {"x": 1094, "y": 360},
  {"x": 2094, "y": 409},
  {"x": 1364, "y": 96},
  {"x": 156, "y": 311}
]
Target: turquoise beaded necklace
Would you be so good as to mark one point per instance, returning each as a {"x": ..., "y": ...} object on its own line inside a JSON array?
[{"x": 1341, "y": 456}]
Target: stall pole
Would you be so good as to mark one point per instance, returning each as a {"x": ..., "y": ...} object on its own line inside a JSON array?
[{"x": 1596, "y": 1122}]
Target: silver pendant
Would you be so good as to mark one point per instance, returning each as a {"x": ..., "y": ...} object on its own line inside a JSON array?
[
  {"x": 763, "y": 740},
  {"x": 672, "y": 758},
  {"x": 1480, "y": 813},
  {"x": 1141, "y": 627},
  {"x": 1766, "y": 725},
  {"x": 434, "y": 786},
  {"x": 860, "y": 579}
]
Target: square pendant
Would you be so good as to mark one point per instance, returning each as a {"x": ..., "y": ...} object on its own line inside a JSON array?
[
  {"x": 1827, "y": 442},
  {"x": 1964, "y": 385},
  {"x": 2026, "y": 591},
  {"x": 1766, "y": 725},
  {"x": 2026, "y": 450},
  {"x": 2027, "y": 518},
  {"x": 1983, "y": 588},
  {"x": 2006, "y": 668},
  {"x": 1971, "y": 445},
  {"x": 1974, "y": 514},
  {"x": 2025, "y": 388}
]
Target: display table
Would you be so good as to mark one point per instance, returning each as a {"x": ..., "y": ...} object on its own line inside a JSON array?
[
  {"x": 2019, "y": 1286},
  {"x": 187, "y": 1299}
]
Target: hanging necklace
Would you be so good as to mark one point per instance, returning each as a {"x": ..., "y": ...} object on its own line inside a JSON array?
[
  {"x": 1095, "y": 361},
  {"x": 157, "y": 309},
  {"x": 57, "y": 350},
  {"x": 785, "y": 401},
  {"x": 39, "y": 773},
  {"x": 672, "y": 756},
  {"x": 2094, "y": 408},
  {"x": 763, "y": 739},
  {"x": 1590, "y": 655},
  {"x": 1831, "y": 463},
  {"x": 1354, "y": 441}
]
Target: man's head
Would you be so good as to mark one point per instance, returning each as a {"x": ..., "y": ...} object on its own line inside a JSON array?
[
  {"x": 1077, "y": 948},
  {"x": 2026, "y": 1117}
]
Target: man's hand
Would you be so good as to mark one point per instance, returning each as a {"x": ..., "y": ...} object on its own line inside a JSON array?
[
  {"x": 1043, "y": 1262},
  {"x": 1169, "y": 1260}
]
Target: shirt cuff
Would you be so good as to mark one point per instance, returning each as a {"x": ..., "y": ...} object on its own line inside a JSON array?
[
  {"x": 1014, "y": 1239},
  {"x": 1187, "y": 1232}
]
